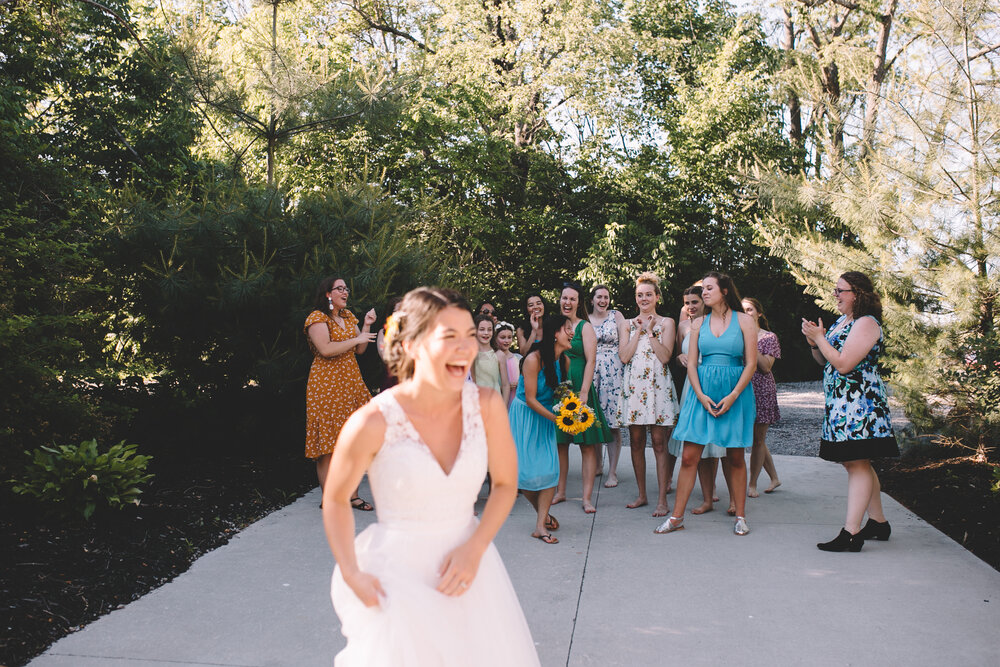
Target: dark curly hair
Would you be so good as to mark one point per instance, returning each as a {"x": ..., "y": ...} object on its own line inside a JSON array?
[{"x": 866, "y": 299}]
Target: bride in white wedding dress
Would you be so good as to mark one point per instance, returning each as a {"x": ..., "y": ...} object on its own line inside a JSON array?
[{"x": 424, "y": 586}]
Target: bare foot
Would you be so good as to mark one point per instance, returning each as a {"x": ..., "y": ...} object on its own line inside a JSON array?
[
  {"x": 752, "y": 492},
  {"x": 588, "y": 507},
  {"x": 661, "y": 510},
  {"x": 669, "y": 487},
  {"x": 638, "y": 502},
  {"x": 558, "y": 499},
  {"x": 611, "y": 482},
  {"x": 775, "y": 483},
  {"x": 715, "y": 498},
  {"x": 598, "y": 472},
  {"x": 704, "y": 507},
  {"x": 732, "y": 510}
]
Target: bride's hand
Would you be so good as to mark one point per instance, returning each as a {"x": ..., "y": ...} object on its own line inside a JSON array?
[
  {"x": 366, "y": 586},
  {"x": 459, "y": 570}
]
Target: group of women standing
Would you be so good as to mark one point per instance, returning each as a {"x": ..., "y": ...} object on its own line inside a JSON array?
[
  {"x": 620, "y": 368},
  {"x": 431, "y": 436}
]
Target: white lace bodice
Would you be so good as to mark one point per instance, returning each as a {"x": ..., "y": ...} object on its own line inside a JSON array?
[{"x": 408, "y": 483}]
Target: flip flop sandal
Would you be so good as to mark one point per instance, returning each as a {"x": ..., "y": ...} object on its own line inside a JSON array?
[
  {"x": 548, "y": 539},
  {"x": 551, "y": 523},
  {"x": 361, "y": 504}
]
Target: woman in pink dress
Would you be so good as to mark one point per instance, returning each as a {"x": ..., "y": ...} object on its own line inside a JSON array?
[{"x": 766, "y": 394}]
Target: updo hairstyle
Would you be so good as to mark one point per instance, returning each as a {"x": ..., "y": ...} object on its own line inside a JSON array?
[
  {"x": 649, "y": 278},
  {"x": 415, "y": 317},
  {"x": 866, "y": 299}
]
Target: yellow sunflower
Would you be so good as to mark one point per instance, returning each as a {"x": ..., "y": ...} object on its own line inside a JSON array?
[
  {"x": 586, "y": 418},
  {"x": 566, "y": 423},
  {"x": 570, "y": 404}
]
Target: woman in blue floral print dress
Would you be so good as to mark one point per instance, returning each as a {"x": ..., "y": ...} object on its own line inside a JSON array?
[
  {"x": 857, "y": 426},
  {"x": 607, "y": 375}
]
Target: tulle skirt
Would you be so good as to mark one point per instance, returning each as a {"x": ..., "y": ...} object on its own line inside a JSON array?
[{"x": 415, "y": 625}]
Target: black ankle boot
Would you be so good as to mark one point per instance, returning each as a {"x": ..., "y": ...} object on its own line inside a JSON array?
[
  {"x": 843, "y": 542},
  {"x": 874, "y": 530}
]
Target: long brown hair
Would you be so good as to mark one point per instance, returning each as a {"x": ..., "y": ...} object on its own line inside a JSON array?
[
  {"x": 866, "y": 299},
  {"x": 581, "y": 302},
  {"x": 415, "y": 315},
  {"x": 761, "y": 318},
  {"x": 730, "y": 293}
]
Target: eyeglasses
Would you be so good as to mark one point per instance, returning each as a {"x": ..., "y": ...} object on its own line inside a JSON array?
[
  {"x": 486, "y": 311},
  {"x": 340, "y": 288},
  {"x": 838, "y": 292}
]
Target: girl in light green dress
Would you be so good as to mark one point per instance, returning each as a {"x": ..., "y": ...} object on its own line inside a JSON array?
[{"x": 486, "y": 368}]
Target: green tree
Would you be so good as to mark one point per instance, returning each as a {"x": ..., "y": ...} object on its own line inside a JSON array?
[
  {"x": 919, "y": 211},
  {"x": 264, "y": 74},
  {"x": 224, "y": 276},
  {"x": 80, "y": 110}
]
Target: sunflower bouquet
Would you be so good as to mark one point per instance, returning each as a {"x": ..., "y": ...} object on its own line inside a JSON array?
[{"x": 573, "y": 416}]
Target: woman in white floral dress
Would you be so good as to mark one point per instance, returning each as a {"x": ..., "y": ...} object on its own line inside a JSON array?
[
  {"x": 648, "y": 395},
  {"x": 608, "y": 373}
]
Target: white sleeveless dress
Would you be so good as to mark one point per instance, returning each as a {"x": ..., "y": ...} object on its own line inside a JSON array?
[{"x": 422, "y": 515}]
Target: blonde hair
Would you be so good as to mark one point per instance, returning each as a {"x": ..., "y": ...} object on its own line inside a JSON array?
[
  {"x": 649, "y": 278},
  {"x": 415, "y": 315}
]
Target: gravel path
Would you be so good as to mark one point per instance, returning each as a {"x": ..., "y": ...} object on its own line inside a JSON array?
[{"x": 797, "y": 434}]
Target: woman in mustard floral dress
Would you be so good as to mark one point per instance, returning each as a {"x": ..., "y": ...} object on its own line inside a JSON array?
[{"x": 335, "y": 388}]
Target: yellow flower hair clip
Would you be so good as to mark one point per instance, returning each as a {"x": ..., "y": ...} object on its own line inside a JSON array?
[{"x": 391, "y": 328}]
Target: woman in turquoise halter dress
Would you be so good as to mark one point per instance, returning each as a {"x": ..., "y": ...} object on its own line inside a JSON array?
[
  {"x": 533, "y": 422},
  {"x": 582, "y": 356},
  {"x": 718, "y": 406}
]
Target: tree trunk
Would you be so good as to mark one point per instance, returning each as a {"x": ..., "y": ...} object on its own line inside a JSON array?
[
  {"x": 794, "y": 106},
  {"x": 873, "y": 95},
  {"x": 272, "y": 120}
]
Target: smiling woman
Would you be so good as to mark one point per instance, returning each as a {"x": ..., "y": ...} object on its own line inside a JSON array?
[
  {"x": 425, "y": 583},
  {"x": 335, "y": 388}
]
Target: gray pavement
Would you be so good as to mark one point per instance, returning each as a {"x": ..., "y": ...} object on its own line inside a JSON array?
[{"x": 611, "y": 593}]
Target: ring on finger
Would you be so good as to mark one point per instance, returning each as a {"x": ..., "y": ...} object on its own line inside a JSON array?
[{"x": 462, "y": 584}]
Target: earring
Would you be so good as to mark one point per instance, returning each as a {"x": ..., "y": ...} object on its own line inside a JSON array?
[{"x": 330, "y": 302}]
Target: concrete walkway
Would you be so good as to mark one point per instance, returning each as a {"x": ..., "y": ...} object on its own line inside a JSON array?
[{"x": 611, "y": 593}]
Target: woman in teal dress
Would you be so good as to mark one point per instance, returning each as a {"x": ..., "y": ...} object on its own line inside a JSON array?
[
  {"x": 718, "y": 406},
  {"x": 582, "y": 357},
  {"x": 857, "y": 426},
  {"x": 533, "y": 422}
]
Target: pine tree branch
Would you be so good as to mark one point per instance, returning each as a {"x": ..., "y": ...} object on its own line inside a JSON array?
[
  {"x": 305, "y": 127},
  {"x": 983, "y": 51},
  {"x": 386, "y": 28}
]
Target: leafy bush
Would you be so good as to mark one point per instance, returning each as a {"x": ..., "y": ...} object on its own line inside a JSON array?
[{"x": 73, "y": 480}]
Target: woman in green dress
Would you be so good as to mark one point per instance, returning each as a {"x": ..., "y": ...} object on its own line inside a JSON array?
[{"x": 582, "y": 357}]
